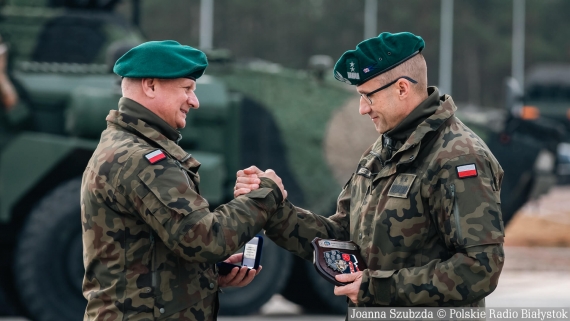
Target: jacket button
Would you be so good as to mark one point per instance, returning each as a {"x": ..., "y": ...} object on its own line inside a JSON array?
[
  {"x": 161, "y": 310},
  {"x": 212, "y": 285},
  {"x": 146, "y": 290},
  {"x": 360, "y": 235},
  {"x": 411, "y": 157}
]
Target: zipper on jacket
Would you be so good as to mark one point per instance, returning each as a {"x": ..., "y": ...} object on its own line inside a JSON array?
[
  {"x": 456, "y": 215},
  {"x": 152, "y": 260},
  {"x": 360, "y": 216},
  {"x": 364, "y": 198}
]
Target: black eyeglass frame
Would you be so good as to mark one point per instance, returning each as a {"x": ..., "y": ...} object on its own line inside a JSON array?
[{"x": 367, "y": 96}]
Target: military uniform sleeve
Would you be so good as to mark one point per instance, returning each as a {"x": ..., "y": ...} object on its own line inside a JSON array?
[
  {"x": 294, "y": 228},
  {"x": 467, "y": 215},
  {"x": 165, "y": 199}
]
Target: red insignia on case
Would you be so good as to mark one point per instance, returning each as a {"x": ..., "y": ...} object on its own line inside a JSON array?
[{"x": 155, "y": 156}]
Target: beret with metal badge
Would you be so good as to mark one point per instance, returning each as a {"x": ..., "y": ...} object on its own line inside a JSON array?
[
  {"x": 166, "y": 59},
  {"x": 375, "y": 56}
]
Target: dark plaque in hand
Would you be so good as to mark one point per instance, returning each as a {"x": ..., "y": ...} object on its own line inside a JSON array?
[{"x": 332, "y": 257}]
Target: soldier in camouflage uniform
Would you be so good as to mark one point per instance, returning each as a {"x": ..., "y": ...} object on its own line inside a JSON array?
[
  {"x": 423, "y": 203},
  {"x": 150, "y": 242}
]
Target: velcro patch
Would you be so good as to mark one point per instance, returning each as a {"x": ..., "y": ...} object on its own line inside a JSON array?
[
  {"x": 466, "y": 171},
  {"x": 401, "y": 186},
  {"x": 364, "y": 172},
  {"x": 155, "y": 157}
]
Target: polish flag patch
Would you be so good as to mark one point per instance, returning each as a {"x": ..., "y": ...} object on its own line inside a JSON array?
[
  {"x": 155, "y": 157},
  {"x": 465, "y": 171}
]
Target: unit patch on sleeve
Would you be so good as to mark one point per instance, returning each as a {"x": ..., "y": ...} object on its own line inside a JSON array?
[
  {"x": 401, "y": 186},
  {"x": 155, "y": 157},
  {"x": 466, "y": 171}
]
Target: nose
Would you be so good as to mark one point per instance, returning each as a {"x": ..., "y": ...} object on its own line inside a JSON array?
[
  {"x": 364, "y": 107},
  {"x": 193, "y": 101}
]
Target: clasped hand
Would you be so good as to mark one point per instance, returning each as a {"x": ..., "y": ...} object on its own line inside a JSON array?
[{"x": 249, "y": 179}]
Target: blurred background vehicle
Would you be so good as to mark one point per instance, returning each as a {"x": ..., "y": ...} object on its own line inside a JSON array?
[
  {"x": 296, "y": 120},
  {"x": 548, "y": 91}
]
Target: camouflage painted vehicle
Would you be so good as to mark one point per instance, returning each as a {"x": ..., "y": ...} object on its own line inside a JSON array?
[
  {"x": 60, "y": 64},
  {"x": 302, "y": 124}
]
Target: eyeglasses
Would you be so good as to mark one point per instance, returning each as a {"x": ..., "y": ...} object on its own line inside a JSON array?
[{"x": 368, "y": 95}]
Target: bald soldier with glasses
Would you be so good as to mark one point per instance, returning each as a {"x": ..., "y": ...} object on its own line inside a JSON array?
[{"x": 423, "y": 203}]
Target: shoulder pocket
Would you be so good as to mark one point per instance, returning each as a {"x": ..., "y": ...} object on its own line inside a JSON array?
[{"x": 169, "y": 191}]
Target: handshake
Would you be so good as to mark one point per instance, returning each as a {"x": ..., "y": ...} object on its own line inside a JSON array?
[{"x": 248, "y": 180}]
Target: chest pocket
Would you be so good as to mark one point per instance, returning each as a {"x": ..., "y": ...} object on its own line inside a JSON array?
[
  {"x": 401, "y": 186},
  {"x": 399, "y": 221}
]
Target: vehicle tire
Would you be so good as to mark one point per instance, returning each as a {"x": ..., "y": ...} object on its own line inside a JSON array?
[
  {"x": 310, "y": 290},
  {"x": 276, "y": 264},
  {"x": 48, "y": 266}
]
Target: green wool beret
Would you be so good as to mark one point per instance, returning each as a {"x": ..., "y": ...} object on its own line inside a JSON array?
[
  {"x": 376, "y": 55},
  {"x": 162, "y": 59}
]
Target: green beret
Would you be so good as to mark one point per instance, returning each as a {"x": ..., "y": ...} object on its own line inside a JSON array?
[
  {"x": 162, "y": 59},
  {"x": 376, "y": 55}
]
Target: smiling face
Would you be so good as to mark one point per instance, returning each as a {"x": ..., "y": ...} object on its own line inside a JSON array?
[
  {"x": 391, "y": 105},
  {"x": 385, "y": 111},
  {"x": 174, "y": 98}
]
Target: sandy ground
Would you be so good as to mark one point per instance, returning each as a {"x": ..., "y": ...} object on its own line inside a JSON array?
[{"x": 543, "y": 223}]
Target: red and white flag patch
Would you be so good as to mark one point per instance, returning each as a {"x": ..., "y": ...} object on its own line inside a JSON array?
[
  {"x": 465, "y": 171},
  {"x": 155, "y": 156}
]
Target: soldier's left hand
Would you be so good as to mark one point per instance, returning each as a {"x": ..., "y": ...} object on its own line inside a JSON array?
[
  {"x": 238, "y": 276},
  {"x": 350, "y": 290}
]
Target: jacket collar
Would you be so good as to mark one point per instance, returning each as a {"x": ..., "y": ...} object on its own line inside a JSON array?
[
  {"x": 424, "y": 110},
  {"x": 136, "y": 110},
  {"x": 445, "y": 111},
  {"x": 136, "y": 118},
  {"x": 409, "y": 150}
]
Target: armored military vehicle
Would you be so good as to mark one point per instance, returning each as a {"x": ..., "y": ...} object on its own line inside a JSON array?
[
  {"x": 301, "y": 124},
  {"x": 547, "y": 91}
]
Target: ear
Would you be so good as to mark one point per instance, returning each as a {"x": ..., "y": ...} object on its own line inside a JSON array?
[
  {"x": 149, "y": 86},
  {"x": 404, "y": 88}
]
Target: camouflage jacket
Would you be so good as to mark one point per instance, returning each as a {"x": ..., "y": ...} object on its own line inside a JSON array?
[
  {"x": 429, "y": 229},
  {"x": 150, "y": 243}
]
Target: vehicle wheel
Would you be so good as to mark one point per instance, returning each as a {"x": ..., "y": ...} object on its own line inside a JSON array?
[
  {"x": 310, "y": 290},
  {"x": 276, "y": 264},
  {"x": 48, "y": 259}
]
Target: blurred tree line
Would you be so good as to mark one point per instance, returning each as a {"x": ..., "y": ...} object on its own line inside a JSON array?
[{"x": 288, "y": 32}]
